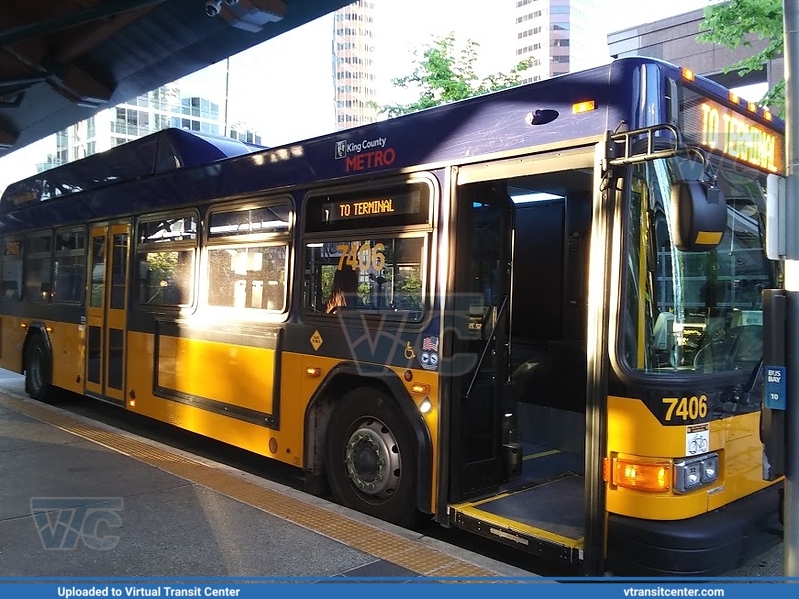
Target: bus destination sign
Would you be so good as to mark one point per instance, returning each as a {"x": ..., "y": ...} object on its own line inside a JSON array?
[
  {"x": 400, "y": 205},
  {"x": 363, "y": 208},
  {"x": 354, "y": 209},
  {"x": 717, "y": 127}
]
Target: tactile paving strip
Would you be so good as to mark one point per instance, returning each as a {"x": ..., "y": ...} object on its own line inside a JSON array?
[{"x": 382, "y": 544}]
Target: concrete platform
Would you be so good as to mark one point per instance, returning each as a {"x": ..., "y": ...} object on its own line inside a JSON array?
[{"x": 79, "y": 498}]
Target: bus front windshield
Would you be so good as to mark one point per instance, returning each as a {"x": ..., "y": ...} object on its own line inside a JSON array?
[{"x": 694, "y": 312}]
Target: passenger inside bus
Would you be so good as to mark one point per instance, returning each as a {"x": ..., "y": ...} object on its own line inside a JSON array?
[{"x": 345, "y": 290}]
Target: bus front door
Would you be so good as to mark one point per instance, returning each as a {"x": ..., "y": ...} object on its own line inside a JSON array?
[
  {"x": 524, "y": 460},
  {"x": 106, "y": 313}
]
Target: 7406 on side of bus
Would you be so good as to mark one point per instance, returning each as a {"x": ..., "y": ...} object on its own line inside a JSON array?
[{"x": 537, "y": 317}]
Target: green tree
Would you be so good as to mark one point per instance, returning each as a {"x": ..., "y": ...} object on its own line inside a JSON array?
[
  {"x": 730, "y": 23},
  {"x": 444, "y": 73}
]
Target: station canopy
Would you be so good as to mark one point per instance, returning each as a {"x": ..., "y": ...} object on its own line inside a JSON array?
[{"x": 61, "y": 61}]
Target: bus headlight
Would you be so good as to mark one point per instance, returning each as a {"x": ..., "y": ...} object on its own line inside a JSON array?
[{"x": 693, "y": 473}]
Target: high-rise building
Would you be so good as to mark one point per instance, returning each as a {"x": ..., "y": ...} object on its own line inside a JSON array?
[
  {"x": 243, "y": 132},
  {"x": 353, "y": 65},
  {"x": 161, "y": 108},
  {"x": 140, "y": 116},
  {"x": 560, "y": 36}
]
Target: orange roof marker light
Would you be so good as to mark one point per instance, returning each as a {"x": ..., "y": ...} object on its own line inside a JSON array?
[
  {"x": 688, "y": 74},
  {"x": 734, "y": 98}
]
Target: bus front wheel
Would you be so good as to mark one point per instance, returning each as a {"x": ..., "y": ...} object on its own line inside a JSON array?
[
  {"x": 37, "y": 369},
  {"x": 371, "y": 457}
]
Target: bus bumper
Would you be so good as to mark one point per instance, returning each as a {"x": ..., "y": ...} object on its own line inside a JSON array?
[{"x": 707, "y": 545}]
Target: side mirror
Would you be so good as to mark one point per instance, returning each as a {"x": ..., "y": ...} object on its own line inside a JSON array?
[{"x": 699, "y": 211}]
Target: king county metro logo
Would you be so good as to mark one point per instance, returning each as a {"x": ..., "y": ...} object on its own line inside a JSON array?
[
  {"x": 345, "y": 147},
  {"x": 341, "y": 149}
]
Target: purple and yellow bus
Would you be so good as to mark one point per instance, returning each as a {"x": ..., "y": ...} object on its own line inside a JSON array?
[{"x": 535, "y": 315}]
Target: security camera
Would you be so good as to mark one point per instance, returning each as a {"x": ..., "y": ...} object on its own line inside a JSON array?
[{"x": 213, "y": 7}]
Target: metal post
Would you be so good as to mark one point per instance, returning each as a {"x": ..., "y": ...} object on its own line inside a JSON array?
[
  {"x": 791, "y": 523},
  {"x": 226, "y": 127}
]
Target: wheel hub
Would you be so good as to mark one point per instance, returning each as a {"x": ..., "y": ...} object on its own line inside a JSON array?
[{"x": 372, "y": 459}]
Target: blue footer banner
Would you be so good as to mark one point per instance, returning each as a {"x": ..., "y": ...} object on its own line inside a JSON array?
[{"x": 468, "y": 588}]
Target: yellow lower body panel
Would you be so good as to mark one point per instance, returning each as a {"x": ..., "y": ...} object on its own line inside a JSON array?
[
  {"x": 69, "y": 355},
  {"x": 284, "y": 444},
  {"x": 229, "y": 376},
  {"x": 67, "y": 341}
]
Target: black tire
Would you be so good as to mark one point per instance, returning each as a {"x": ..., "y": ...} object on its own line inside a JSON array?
[
  {"x": 37, "y": 369},
  {"x": 371, "y": 457}
]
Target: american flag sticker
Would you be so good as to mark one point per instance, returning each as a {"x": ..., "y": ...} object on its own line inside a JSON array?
[{"x": 430, "y": 344}]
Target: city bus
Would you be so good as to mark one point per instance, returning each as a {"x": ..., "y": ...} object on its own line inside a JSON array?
[{"x": 534, "y": 315}]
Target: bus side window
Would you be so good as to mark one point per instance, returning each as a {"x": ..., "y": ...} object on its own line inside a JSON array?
[
  {"x": 38, "y": 267},
  {"x": 378, "y": 275},
  {"x": 12, "y": 269},
  {"x": 166, "y": 278},
  {"x": 248, "y": 277},
  {"x": 165, "y": 266}
]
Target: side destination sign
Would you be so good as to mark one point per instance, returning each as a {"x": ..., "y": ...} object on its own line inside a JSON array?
[{"x": 717, "y": 127}]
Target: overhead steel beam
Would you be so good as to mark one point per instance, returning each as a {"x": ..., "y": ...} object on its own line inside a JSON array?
[
  {"x": 23, "y": 82},
  {"x": 96, "y": 36},
  {"x": 80, "y": 87},
  {"x": 58, "y": 23}
]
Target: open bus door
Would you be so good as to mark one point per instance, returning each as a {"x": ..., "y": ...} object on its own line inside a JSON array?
[
  {"x": 527, "y": 416},
  {"x": 480, "y": 350},
  {"x": 106, "y": 312}
]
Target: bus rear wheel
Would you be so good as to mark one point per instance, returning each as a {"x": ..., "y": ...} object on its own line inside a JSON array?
[
  {"x": 37, "y": 369},
  {"x": 371, "y": 457}
]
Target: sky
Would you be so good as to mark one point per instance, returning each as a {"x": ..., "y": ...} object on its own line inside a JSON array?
[{"x": 290, "y": 99}]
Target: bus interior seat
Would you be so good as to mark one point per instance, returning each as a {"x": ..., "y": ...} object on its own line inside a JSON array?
[
  {"x": 10, "y": 290},
  {"x": 663, "y": 332},
  {"x": 748, "y": 345},
  {"x": 68, "y": 284}
]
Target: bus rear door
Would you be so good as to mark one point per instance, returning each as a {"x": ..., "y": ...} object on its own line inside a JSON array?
[{"x": 106, "y": 312}]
